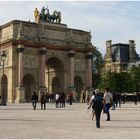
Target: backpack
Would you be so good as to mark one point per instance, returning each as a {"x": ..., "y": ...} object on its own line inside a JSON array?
[{"x": 97, "y": 102}]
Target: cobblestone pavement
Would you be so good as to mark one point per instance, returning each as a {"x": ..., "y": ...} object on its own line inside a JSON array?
[{"x": 19, "y": 121}]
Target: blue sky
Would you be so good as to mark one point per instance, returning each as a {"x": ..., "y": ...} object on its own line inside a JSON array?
[{"x": 118, "y": 21}]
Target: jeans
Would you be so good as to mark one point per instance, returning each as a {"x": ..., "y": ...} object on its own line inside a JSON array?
[
  {"x": 107, "y": 107},
  {"x": 34, "y": 102},
  {"x": 98, "y": 116},
  {"x": 43, "y": 104}
]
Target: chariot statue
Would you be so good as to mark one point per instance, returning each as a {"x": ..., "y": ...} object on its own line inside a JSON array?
[{"x": 45, "y": 16}]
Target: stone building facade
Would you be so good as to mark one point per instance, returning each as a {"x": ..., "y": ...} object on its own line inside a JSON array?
[
  {"x": 119, "y": 57},
  {"x": 44, "y": 57}
]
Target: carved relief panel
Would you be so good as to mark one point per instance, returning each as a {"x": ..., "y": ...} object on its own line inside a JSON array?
[
  {"x": 79, "y": 64},
  {"x": 30, "y": 61}
]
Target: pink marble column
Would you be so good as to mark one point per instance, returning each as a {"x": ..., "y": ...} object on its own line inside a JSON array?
[
  {"x": 42, "y": 67},
  {"x": 89, "y": 70},
  {"x": 20, "y": 65},
  {"x": 71, "y": 70}
]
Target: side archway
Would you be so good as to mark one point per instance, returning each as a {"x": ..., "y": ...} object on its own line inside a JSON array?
[
  {"x": 55, "y": 84},
  {"x": 4, "y": 88},
  {"x": 29, "y": 84},
  {"x": 78, "y": 84}
]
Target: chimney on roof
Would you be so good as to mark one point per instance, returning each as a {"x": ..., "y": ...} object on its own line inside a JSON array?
[
  {"x": 108, "y": 53},
  {"x": 108, "y": 43},
  {"x": 131, "y": 43},
  {"x": 132, "y": 51}
]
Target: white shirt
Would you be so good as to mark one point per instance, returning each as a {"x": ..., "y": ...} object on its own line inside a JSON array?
[
  {"x": 57, "y": 96},
  {"x": 92, "y": 97},
  {"x": 90, "y": 102},
  {"x": 107, "y": 97}
]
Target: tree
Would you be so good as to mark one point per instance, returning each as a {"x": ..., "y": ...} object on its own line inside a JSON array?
[
  {"x": 135, "y": 79},
  {"x": 97, "y": 65},
  {"x": 117, "y": 82}
]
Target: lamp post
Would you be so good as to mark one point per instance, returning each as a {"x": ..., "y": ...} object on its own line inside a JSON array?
[{"x": 3, "y": 58}]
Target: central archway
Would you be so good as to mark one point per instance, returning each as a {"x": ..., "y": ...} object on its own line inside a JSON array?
[
  {"x": 29, "y": 84},
  {"x": 54, "y": 77},
  {"x": 78, "y": 84},
  {"x": 55, "y": 84}
]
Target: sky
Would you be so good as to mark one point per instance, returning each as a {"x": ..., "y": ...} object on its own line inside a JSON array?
[{"x": 118, "y": 21}]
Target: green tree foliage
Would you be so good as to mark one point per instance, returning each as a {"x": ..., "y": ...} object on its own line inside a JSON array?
[
  {"x": 97, "y": 65},
  {"x": 135, "y": 79},
  {"x": 117, "y": 82}
]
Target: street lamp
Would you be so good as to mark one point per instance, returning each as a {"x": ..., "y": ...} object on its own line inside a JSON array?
[{"x": 3, "y": 58}]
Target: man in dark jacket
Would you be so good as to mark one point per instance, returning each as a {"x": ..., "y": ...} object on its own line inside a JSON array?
[
  {"x": 43, "y": 101},
  {"x": 34, "y": 100},
  {"x": 97, "y": 105}
]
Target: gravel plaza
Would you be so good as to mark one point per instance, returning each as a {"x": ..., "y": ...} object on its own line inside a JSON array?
[{"x": 20, "y": 121}]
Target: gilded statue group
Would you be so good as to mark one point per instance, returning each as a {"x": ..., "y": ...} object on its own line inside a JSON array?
[{"x": 45, "y": 15}]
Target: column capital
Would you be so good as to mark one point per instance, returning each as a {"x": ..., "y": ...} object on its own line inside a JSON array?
[
  {"x": 89, "y": 55},
  {"x": 42, "y": 51},
  {"x": 71, "y": 53},
  {"x": 20, "y": 48}
]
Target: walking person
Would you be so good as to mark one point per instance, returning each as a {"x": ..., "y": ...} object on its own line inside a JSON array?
[
  {"x": 119, "y": 99},
  {"x": 97, "y": 105},
  {"x": 34, "y": 100},
  {"x": 57, "y": 100},
  {"x": 70, "y": 94},
  {"x": 90, "y": 103},
  {"x": 83, "y": 96},
  {"x": 107, "y": 101},
  {"x": 135, "y": 98},
  {"x": 114, "y": 100},
  {"x": 63, "y": 99},
  {"x": 43, "y": 101},
  {"x": 88, "y": 99}
]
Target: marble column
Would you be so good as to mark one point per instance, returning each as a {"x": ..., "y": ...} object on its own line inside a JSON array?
[
  {"x": 42, "y": 87},
  {"x": 20, "y": 50},
  {"x": 71, "y": 68},
  {"x": 89, "y": 72},
  {"x": 71, "y": 72},
  {"x": 20, "y": 90},
  {"x": 42, "y": 51}
]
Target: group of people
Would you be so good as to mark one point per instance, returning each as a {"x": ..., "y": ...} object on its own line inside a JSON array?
[
  {"x": 42, "y": 100},
  {"x": 99, "y": 103},
  {"x": 60, "y": 99},
  {"x": 117, "y": 99}
]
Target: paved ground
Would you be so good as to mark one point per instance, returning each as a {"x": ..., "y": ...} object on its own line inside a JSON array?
[{"x": 20, "y": 121}]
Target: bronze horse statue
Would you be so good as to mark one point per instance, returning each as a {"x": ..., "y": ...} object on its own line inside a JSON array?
[{"x": 55, "y": 17}]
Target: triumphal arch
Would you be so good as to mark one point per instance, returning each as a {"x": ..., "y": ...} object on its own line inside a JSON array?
[{"x": 45, "y": 56}]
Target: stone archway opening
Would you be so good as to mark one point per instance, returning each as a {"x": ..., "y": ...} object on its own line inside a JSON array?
[
  {"x": 4, "y": 87},
  {"x": 54, "y": 78},
  {"x": 55, "y": 85},
  {"x": 29, "y": 84},
  {"x": 78, "y": 84}
]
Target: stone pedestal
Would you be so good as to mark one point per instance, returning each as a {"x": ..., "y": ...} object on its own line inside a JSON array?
[{"x": 20, "y": 95}]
